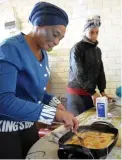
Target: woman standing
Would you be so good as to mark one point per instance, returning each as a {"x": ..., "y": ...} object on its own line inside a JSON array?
[{"x": 86, "y": 70}]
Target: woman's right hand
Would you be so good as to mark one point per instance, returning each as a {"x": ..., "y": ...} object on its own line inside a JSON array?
[
  {"x": 68, "y": 119},
  {"x": 94, "y": 96}
]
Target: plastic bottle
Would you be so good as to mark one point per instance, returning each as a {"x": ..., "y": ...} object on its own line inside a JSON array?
[{"x": 102, "y": 107}]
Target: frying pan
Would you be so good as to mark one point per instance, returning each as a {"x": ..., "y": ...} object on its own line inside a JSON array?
[{"x": 72, "y": 151}]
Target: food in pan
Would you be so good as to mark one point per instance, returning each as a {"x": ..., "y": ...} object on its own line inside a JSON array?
[{"x": 92, "y": 139}]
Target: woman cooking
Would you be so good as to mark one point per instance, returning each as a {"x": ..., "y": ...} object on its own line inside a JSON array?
[{"x": 24, "y": 74}]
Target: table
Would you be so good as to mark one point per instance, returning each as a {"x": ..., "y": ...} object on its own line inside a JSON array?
[{"x": 46, "y": 147}]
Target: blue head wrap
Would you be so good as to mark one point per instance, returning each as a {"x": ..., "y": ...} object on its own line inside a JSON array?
[{"x": 47, "y": 14}]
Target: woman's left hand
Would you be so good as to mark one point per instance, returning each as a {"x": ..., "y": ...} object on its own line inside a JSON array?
[{"x": 61, "y": 107}]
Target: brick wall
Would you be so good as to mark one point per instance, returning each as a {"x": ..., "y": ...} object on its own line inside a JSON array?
[{"x": 78, "y": 10}]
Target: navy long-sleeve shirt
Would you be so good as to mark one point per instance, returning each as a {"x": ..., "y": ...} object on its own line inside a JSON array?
[{"x": 23, "y": 81}]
